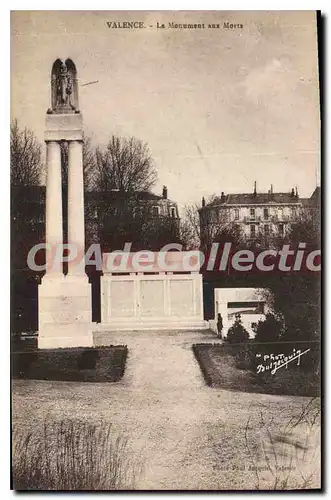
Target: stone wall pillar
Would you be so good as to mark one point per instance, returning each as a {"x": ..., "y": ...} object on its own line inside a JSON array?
[
  {"x": 76, "y": 226},
  {"x": 54, "y": 227}
]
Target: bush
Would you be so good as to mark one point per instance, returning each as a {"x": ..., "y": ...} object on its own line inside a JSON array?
[
  {"x": 237, "y": 333},
  {"x": 244, "y": 357},
  {"x": 267, "y": 330},
  {"x": 234, "y": 367},
  {"x": 88, "y": 359},
  {"x": 72, "y": 455},
  {"x": 95, "y": 364},
  {"x": 301, "y": 329}
]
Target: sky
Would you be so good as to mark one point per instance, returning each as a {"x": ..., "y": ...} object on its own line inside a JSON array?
[{"x": 219, "y": 108}]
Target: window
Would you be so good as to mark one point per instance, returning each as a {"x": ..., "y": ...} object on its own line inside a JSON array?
[
  {"x": 252, "y": 213},
  {"x": 214, "y": 215},
  {"x": 293, "y": 212},
  {"x": 266, "y": 230},
  {"x": 281, "y": 229},
  {"x": 156, "y": 210},
  {"x": 253, "y": 230},
  {"x": 173, "y": 212},
  {"x": 236, "y": 213},
  {"x": 280, "y": 213},
  {"x": 248, "y": 307},
  {"x": 266, "y": 213}
]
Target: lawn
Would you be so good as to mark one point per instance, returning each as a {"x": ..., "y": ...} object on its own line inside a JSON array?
[
  {"x": 183, "y": 434},
  {"x": 235, "y": 368},
  {"x": 208, "y": 439}
]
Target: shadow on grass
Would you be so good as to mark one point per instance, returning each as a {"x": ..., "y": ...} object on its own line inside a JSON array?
[{"x": 288, "y": 456}]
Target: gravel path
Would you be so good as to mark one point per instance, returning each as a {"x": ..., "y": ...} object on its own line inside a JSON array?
[{"x": 187, "y": 435}]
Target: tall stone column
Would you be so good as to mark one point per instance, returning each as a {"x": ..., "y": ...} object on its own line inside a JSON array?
[
  {"x": 54, "y": 227},
  {"x": 76, "y": 226},
  {"x": 65, "y": 302}
]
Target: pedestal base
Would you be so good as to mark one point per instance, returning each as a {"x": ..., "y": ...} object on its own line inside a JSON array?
[{"x": 65, "y": 312}]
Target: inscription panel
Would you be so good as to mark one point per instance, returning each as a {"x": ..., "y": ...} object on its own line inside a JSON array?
[
  {"x": 181, "y": 298},
  {"x": 151, "y": 298},
  {"x": 122, "y": 298},
  {"x": 64, "y": 309}
]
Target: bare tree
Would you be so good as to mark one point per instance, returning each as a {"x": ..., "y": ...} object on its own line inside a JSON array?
[
  {"x": 124, "y": 169},
  {"x": 200, "y": 228},
  {"x": 190, "y": 227},
  {"x": 26, "y": 163},
  {"x": 125, "y": 165},
  {"x": 89, "y": 163}
]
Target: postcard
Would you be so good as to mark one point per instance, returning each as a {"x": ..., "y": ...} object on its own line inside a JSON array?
[{"x": 165, "y": 250}]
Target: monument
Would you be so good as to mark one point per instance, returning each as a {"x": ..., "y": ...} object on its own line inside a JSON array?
[
  {"x": 250, "y": 303},
  {"x": 150, "y": 297},
  {"x": 64, "y": 301}
]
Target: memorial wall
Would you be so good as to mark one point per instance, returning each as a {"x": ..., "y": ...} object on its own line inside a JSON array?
[{"x": 146, "y": 300}]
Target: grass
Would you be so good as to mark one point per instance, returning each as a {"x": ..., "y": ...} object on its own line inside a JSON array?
[
  {"x": 99, "y": 364},
  {"x": 230, "y": 367},
  {"x": 290, "y": 453},
  {"x": 272, "y": 443},
  {"x": 206, "y": 426},
  {"x": 72, "y": 455}
]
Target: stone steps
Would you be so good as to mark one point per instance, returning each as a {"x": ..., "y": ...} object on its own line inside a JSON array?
[{"x": 120, "y": 325}]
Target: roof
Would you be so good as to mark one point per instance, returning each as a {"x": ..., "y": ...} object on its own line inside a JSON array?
[
  {"x": 32, "y": 194},
  {"x": 148, "y": 195},
  {"x": 36, "y": 193},
  {"x": 305, "y": 201},
  {"x": 115, "y": 194},
  {"x": 33, "y": 188},
  {"x": 316, "y": 196},
  {"x": 254, "y": 199},
  {"x": 314, "y": 200}
]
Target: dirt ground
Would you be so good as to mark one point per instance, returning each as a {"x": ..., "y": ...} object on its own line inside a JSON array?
[{"x": 184, "y": 434}]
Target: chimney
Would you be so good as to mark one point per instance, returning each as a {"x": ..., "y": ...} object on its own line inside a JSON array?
[
  {"x": 165, "y": 192},
  {"x": 296, "y": 192},
  {"x": 203, "y": 202},
  {"x": 222, "y": 197},
  {"x": 292, "y": 193},
  {"x": 271, "y": 189},
  {"x": 254, "y": 188}
]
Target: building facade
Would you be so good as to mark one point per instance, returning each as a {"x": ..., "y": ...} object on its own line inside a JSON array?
[
  {"x": 257, "y": 215},
  {"x": 28, "y": 208}
]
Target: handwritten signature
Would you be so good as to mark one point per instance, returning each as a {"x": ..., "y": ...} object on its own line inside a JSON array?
[{"x": 273, "y": 362}]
